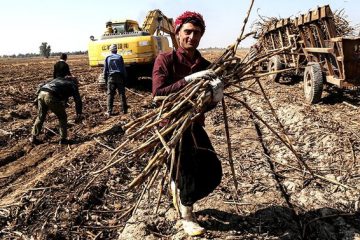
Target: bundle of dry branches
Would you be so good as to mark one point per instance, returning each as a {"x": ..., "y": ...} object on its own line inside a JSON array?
[
  {"x": 263, "y": 25},
  {"x": 343, "y": 27}
]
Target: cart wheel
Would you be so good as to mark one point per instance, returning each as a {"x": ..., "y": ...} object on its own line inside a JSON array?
[
  {"x": 313, "y": 83},
  {"x": 275, "y": 65}
]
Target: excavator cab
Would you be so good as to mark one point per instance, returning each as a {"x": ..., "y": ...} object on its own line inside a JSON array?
[
  {"x": 119, "y": 28},
  {"x": 126, "y": 26}
]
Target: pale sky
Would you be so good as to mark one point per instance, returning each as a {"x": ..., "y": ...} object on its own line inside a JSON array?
[{"x": 67, "y": 24}]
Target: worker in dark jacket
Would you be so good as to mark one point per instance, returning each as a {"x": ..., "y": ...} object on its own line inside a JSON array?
[
  {"x": 52, "y": 96},
  {"x": 199, "y": 168},
  {"x": 61, "y": 68},
  {"x": 115, "y": 77}
]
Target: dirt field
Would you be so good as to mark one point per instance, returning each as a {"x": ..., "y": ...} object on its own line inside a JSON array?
[{"x": 47, "y": 191}]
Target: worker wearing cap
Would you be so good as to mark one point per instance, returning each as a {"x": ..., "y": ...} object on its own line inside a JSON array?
[
  {"x": 115, "y": 77},
  {"x": 200, "y": 170}
]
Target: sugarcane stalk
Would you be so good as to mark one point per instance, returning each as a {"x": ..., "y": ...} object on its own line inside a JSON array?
[
  {"x": 148, "y": 185},
  {"x": 162, "y": 140},
  {"x": 231, "y": 162},
  {"x": 243, "y": 27},
  {"x": 161, "y": 186}
]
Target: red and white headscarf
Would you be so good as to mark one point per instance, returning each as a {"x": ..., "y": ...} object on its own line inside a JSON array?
[{"x": 193, "y": 17}]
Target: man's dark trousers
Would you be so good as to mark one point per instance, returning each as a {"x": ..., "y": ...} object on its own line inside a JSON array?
[
  {"x": 47, "y": 101},
  {"x": 116, "y": 82}
]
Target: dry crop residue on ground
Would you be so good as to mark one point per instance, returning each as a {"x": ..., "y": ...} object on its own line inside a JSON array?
[{"x": 48, "y": 191}]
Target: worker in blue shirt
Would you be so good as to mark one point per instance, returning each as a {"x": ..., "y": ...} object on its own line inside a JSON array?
[{"x": 115, "y": 77}]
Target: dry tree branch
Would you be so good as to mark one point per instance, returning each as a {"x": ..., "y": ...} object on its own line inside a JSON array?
[{"x": 231, "y": 162}]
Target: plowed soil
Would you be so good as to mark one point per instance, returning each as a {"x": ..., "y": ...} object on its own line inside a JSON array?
[{"x": 48, "y": 191}]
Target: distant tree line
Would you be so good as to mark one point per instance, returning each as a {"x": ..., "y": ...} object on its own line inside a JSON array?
[
  {"x": 28, "y": 55},
  {"x": 45, "y": 51}
]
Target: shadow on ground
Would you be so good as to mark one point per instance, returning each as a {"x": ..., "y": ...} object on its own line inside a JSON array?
[{"x": 280, "y": 222}]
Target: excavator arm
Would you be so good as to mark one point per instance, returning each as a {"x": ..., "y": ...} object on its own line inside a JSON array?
[{"x": 156, "y": 21}]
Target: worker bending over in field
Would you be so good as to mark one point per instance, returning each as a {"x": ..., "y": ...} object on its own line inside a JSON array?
[
  {"x": 53, "y": 96},
  {"x": 200, "y": 170},
  {"x": 115, "y": 77},
  {"x": 61, "y": 68}
]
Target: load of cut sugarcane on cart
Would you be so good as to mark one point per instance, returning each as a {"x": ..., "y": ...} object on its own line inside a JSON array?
[
  {"x": 322, "y": 48},
  {"x": 310, "y": 41}
]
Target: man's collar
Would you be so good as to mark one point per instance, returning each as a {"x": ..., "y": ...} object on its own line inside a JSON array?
[{"x": 182, "y": 52}]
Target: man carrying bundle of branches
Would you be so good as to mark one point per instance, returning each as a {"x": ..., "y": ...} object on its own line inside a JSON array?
[{"x": 197, "y": 170}]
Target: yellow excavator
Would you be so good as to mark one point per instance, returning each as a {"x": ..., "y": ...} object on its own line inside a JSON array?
[{"x": 139, "y": 46}]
